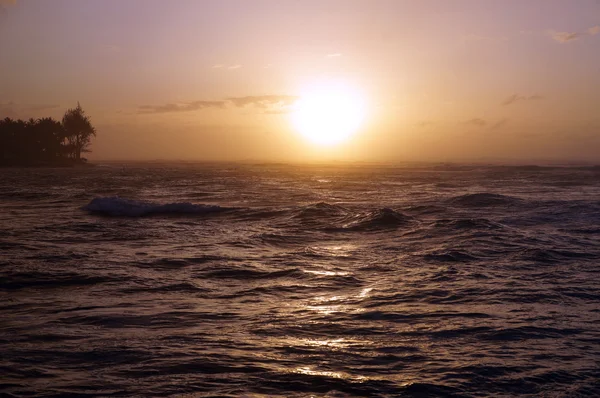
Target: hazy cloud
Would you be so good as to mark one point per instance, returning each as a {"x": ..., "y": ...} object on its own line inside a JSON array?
[
  {"x": 263, "y": 101},
  {"x": 218, "y": 66},
  {"x": 267, "y": 103},
  {"x": 180, "y": 107},
  {"x": 516, "y": 97},
  {"x": 234, "y": 67},
  {"x": 476, "y": 122},
  {"x": 499, "y": 124},
  {"x": 333, "y": 55},
  {"x": 564, "y": 37},
  {"x": 481, "y": 123}
]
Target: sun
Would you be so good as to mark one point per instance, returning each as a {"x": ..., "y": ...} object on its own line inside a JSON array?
[{"x": 328, "y": 113}]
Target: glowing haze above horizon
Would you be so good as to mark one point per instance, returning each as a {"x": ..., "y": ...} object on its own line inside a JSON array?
[{"x": 432, "y": 80}]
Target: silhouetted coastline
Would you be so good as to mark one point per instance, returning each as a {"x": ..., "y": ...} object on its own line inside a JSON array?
[{"x": 46, "y": 142}]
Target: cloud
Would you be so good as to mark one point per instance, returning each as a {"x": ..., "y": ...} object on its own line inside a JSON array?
[
  {"x": 218, "y": 66},
  {"x": 516, "y": 97},
  {"x": 231, "y": 67},
  {"x": 180, "y": 107},
  {"x": 476, "y": 122},
  {"x": 565, "y": 37},
  {"x": 267, "y": 103},
  {"x": 333, "y": 55},
  {"x": 481, "y": 123},
  {"x": 263, "y": 101},
  {"x": 499, "y": 124}
]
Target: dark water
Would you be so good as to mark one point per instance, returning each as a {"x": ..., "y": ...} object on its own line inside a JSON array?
[{"x": 300, "y": 281}]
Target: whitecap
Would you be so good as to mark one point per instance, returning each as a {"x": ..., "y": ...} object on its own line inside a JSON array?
[{"x": 116, "y": 206}]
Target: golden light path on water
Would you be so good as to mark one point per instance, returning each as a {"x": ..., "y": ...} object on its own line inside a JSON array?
[{"x": 327, "y": 306}]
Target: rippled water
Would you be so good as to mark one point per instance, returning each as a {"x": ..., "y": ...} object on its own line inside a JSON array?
[{"x": 257, "y": 280}]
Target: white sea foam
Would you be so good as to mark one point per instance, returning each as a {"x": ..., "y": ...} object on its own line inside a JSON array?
[{"x": 116, "y": 206}]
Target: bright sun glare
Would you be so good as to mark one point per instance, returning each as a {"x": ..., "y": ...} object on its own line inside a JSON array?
[{"x": 328, "y": 113}]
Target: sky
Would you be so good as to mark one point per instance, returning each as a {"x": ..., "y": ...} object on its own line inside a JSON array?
[{"x": 460, "y": 80}]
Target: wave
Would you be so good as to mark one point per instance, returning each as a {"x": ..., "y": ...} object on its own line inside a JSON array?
[
  {"x": 584, "y": 231},
  {"x": 385, "y": 218},
  {"x": 449, "y": 256},
  {"x": 321, "y": 209},
  {"x": 52, "y": 280},
  {"x": 425, "y": 209},
  {"x": 483, "y": 200},
  {"x": 121, "y": 207},
  {"x": 229, "y": 272},
  {"x": 467, "y": 224},
  {"x": 548, "y": 256}
]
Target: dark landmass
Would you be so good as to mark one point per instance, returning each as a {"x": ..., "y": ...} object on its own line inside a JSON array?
[{"x": 46, "y": 142}]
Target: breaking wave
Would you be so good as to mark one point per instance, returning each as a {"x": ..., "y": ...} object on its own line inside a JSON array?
[{"x": 121, "y": 207}]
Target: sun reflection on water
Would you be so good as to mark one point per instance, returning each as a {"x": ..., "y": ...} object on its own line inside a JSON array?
[
  {"x": 340, "y": 250},
  {"x": 326, "y": 273},
  {"x": 340, "y": 303},
  {"x": 336, "y": 343},
  {"x": 308, "y": 370}
]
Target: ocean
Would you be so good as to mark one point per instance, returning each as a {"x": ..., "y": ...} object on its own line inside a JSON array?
[{"x": 267, "y": 280}]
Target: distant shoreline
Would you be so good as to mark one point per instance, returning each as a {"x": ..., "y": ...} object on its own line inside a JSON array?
[{"x": 42, "y": 164}]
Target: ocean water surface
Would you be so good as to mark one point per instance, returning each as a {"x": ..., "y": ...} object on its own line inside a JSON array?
[{"x": 294, "y": 281}]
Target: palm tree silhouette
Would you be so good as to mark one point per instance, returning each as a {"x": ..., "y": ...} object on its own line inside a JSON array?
[
  {"x": 46, "y": 141},
  {"x": 79, "y": 131}
]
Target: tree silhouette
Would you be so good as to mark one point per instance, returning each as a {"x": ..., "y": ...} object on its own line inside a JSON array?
[
  {"x": 46, "y": 141},
  {"x": 49, "y": 134},
  {"x": 79, "y": 131}
]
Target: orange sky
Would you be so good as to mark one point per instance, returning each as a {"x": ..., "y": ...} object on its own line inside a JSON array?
[{"x": 215, "y": 80}]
